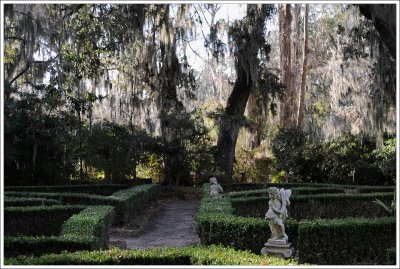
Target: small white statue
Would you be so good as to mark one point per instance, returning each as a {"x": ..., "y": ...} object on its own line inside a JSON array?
[
  {"x": 215, "y": 188},
  {"x": 277, "y": 212}
]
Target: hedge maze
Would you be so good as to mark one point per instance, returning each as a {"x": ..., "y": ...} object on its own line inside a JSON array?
[
  {"x": 41, "y": 220},
  {"x": 328, "y": 225}
]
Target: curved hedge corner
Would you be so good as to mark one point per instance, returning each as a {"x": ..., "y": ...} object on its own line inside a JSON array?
[
  {"x": 212, "y": 255},
  {"x": 87, "y": 230}
]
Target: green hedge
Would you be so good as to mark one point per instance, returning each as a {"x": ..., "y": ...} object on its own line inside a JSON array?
[
  {"x": 100, "y": 189},
  {"x": 24, "y": 194},
  {"x": 295, "y": 191},
  {"x": 37, "y": 220},
  {"x": 216, "y": 224},
  {"x": 318, "y": 206},
  {"x": 127, "y": 202},
  {"x": 38, "y": 245},
  {"x": 93, "y": 222},
  {"x": 212, "y": 255},
  {"x": 28, "y": 201},
  {"x": 391, "y": 256},
  {"x": 361, "y": 188},
  {"x": 130, "y": 202},
  {"x": 346, "y": 241},
  {"x": 87, "y": 230}
]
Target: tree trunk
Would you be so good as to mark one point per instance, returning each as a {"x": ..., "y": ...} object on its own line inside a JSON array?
[
  {"x": 229, "y": 128},
  {"x": 383, "y": 17},
  {"x": 171, "y": 107},
  {"x": 249, "y": 40},
  {"x": 300, "y": 112},
  {"x": 285, "y": 20}
]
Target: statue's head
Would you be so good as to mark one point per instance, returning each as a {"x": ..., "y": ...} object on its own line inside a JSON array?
[
  {"x": 213, "y": 180},
  {"x": 273, "y": 192}
]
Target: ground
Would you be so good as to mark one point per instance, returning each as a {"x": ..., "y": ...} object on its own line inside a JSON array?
[{"x": 169, "y": 222}]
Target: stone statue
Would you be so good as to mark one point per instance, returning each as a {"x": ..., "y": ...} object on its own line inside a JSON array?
[
  {"x": 277, "y": 212},
  {"x": 215, "y": 188}
]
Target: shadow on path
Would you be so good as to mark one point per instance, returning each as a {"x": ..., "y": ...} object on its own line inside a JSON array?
[{"x": 173, "y": 226}]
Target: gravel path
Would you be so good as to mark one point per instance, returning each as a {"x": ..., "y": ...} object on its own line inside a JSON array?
[{"x": 172, "y": 227}]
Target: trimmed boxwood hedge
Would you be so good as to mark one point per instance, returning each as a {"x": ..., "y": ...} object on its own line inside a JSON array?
[
  {"x": 346, "y": 241},
  {"x": 199, "y": 255},
  {"x": 100, "y": 189},
  {"x": 357, "y": 188},
  {"x": 37, "y": 220},
  {"x": 318, "y": 206},
  {"x": 127, "y": 202},
  {"x": 93, "y": 222},
  {"x": 28, "y": 201},
  {"x": 87, "y": 230},
  {"x": 38, "y": 245},
  {"x": 216, "y": 224}
]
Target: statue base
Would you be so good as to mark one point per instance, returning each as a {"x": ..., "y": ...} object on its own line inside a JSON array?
[{"x": 277, "y": 247}]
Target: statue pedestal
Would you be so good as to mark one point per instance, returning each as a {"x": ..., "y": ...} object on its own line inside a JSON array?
[{"x": 277, "y": 247}]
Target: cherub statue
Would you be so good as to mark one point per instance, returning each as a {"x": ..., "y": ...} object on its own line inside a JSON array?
[
  {"x": 215, "y": 188},
  {"x": 277, "y": 212}
]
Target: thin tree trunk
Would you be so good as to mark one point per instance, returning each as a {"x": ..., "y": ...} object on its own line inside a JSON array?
[
  {"x": 300, "y": 112},
  {"x": 285, "y": 19}
]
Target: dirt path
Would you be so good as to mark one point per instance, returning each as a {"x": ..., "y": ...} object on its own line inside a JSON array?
[{"x": 172, "y": 225}]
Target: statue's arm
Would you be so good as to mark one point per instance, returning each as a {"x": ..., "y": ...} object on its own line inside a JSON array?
[{"x": 274, "y": 208}]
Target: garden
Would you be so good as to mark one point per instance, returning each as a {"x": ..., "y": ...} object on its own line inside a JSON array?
[{"x": 199, "y": 134}]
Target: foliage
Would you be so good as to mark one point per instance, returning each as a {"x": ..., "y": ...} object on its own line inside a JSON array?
[
  {"x": 346, "y": 241},
  {"x": 312, "y": 206},
  {"x": 386, "y": 159},
  {"x": 256, "y": 165},
  {"x": 390, "y": 210},
  {"x": 87, "y": 230},
  {"x": 217, "y": 224},
  {"x": 346, "y": 160},
  {"x": 93, "y": 222},
  {"x": 38, "y": 245},
  {"x": 116, "y": 150},
  {"x": 33, "y": 138},
  {"x": 37, "y": 220},
  {"x": 100, "y": 189},
  {"x": 193, "y": 255},
  {"x": 28, "y": 201}
]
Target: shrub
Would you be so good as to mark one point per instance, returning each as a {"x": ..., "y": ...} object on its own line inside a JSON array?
[
  {"x": 38, "y": 245},
  {"x": 93, "y": 222},
  {"x": 127, "y": 202},
  {"x": 391, "y": 256},
  {"x": 386, "y": 159},
  {"x": 37, "y": 220},
  {"x": 87, "y": 230},
  {"x": 212, "y": 255},
  {"x": 318, "y": 206},
  {"x": 346, "y": 241},
  {"x": 347, "y": 160},
  {"x": 216, "y": 224},
  {"x": 29, "y": 201},
  {"x": 100, "y": 189},
  {"x": 130, "y": 202}
]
